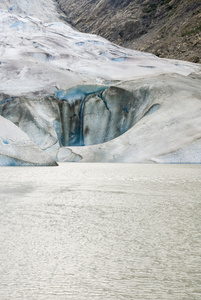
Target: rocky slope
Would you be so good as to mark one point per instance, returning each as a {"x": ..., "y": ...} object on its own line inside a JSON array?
[
  {"x": 167, "y": 28},
  {"x": 80, "y": 97}
]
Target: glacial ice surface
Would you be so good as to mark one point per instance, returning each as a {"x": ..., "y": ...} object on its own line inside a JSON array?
[{"x": 48, "y": 83}]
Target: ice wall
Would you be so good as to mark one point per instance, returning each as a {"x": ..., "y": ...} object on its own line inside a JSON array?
[
  {"x": 16, "y": 149},
  {"x": 84, "y": 115}
]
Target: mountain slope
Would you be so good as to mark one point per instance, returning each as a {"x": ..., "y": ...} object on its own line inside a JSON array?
[{"x": 167, "y": 28}]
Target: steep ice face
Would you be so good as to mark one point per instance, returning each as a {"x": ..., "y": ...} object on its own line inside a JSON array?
[
  {"x": 78, "y": 92},
  {"x": 112, "y": 112},
  {"x": 167, "y": 129},
  {"x": 150, "y": 119},
  {"x": 16, "y": 149},
  {"x": 72, "y": 112},
  {"x": 38, "y": 118},
  {"x": 83, "y": 115}
]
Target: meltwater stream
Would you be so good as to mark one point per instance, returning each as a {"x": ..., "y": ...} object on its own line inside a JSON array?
[{"x": 100, "y": 231}]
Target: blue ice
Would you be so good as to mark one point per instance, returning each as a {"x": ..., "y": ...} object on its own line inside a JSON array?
[
  {"x": 113, "y": 57},
  {"x": 119, "y": 59},
  {"x": 16, "y": 24},
  {"x": 57, "y": 128},
  {"x": 80, "y": 43},
  {"x": 6, "y": 161},
  {"x": 79, "y": 92},
  {"x": 149, "y": 67},
  {"x": 152, "y": 109},
  {"x": 5, "y": 142},
  {"x": 6, "y": 100},
  {"x": 89, "y": 42}
]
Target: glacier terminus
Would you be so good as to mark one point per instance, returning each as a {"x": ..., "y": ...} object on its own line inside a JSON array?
[{"x": 78, "y": 97}]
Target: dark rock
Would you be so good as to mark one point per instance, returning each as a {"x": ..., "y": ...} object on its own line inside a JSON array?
[{"x": 138, "y": 24}]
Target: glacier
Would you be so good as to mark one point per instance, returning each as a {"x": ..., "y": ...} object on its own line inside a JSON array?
[
  {"x": 16, "y": 148},
  {"x": 79, "y": 97}
]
